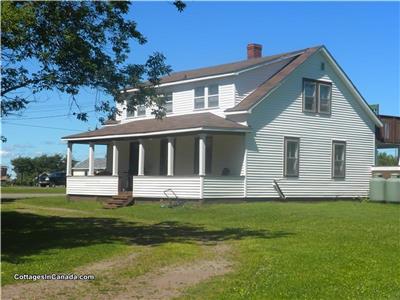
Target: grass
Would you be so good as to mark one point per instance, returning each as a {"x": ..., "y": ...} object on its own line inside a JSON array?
[
  {"x": 324, "y": 250},
  {"x": 32, "y": 190}
]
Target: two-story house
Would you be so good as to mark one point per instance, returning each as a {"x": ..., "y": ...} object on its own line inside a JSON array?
[{"x": 292, "y": 122}]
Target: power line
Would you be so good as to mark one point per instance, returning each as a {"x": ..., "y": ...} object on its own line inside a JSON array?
[
  {"x": 46, "y": 117},
  {"x": 38, "y": 126}
]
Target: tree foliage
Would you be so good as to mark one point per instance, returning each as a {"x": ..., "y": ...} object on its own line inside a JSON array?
[
  {"x": 27, "y": 168},
  {"x": 385, "y": 159},
  {"x": 75, "y": 44}
]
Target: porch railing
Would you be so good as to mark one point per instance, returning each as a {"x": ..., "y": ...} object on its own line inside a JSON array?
[
  {"x": 189, "y": 187},
  {"x": 92, "y": 185}
]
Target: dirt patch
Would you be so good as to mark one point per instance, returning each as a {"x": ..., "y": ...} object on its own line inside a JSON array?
[
  {"x": 169, "y": 282},
  {"x": 63, "y": 289},
  {"x": 165, "y": 283}
]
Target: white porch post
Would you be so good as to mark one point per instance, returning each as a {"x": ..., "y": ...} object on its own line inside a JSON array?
[
  {"x": 91, "y": 160},
  {"x": 398, "y": 155},
  {"x": 141, "y": 158},
  {"x": 115, "y": 159},
  {"x": 171, "y": 151},
  {"x": 69, "y": 159},
  {"x": 202, "y": 155}
]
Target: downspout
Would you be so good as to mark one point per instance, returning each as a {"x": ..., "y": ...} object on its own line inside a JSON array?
[{"x": 278, "y": 189}]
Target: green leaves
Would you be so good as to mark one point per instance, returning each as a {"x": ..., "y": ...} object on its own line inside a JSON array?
[{"x": 74, "y": 44}]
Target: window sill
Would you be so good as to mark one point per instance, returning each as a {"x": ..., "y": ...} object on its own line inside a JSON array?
[{"x": 205, "y": 108}]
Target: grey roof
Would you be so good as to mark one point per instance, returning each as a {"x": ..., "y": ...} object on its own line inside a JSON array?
[
  {"x": 99, "y": 164},
  {"x": 206, "y": 121},
  {"x": 225, "y": 68}
]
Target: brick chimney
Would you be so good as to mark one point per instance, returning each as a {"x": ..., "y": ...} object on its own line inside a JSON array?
[{"x": 254, "y": 51}]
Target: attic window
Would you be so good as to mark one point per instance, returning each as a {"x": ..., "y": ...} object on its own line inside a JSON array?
[{"x": 317, "y": 96}]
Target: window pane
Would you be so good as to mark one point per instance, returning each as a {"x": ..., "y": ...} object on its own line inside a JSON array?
[
  {"x": 309, "y": 96},
  {"x": 213, "y": 90},
  {"x": 339, "y": 159},
  {"x": 168, "y": 102},
  {"x": 199, "y": 102},
  {"x": 324, "y": 98},
  {"x": 292, "y": 158},
  {"x": 199, "y": 92},
  {"x": 213, "y": 101},
  {"x": 291, "y": 167},
  {"x": 141, "y": 111},
  {"x": 168, "y": 107},
  {"x": 309, "y": 89}
]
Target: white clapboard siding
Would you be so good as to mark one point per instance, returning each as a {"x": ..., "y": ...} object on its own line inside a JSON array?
[
  {"x": 223, "y": 187},
  {"x": 92, "y": 185},
  {"x": 154, "y": 186},
  {"x": 280, "y": 115},
  {"x": 183, "y": 99}
]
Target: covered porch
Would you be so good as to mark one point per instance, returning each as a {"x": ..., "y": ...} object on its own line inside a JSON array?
[{"x": 196, "y": 164}]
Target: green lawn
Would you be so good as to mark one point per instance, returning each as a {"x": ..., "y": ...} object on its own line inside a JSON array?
[
  {"x": 324, "y": 250},
  {"x": 32, "y": 190}
]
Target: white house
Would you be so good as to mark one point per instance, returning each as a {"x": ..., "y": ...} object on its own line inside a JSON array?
[{"x": 233, "y": 130}]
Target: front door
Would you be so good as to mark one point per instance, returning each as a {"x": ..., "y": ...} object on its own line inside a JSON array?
[{"x": 133, "y": 163}]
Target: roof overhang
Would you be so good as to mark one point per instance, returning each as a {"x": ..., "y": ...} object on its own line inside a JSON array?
[{"x": 157, "y": 133}]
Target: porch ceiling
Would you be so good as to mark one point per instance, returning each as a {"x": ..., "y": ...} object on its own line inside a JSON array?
[{"x": 168, "y": 125}]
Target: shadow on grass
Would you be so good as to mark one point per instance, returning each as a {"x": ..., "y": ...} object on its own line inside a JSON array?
[{"x": 24, "y": 234}]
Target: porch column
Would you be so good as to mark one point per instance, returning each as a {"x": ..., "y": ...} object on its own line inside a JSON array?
[
  {"x": 91, "y": 160},
  {"x": 398, "y": 155},
  {"x": 115, "y": 159},
  {"x": 69, "y": 159},
  {"x": 202, "y": 155},
  {"x": 171, "y": 151},
  {"x": 141, "y": 158}
]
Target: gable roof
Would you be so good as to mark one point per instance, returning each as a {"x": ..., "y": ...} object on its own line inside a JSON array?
[
  {"x": 99, "y": 163},
  {"x": 277, "y": 79},
  {"x": 173, "y": 124},
  {"x": 270, "y": 83}
]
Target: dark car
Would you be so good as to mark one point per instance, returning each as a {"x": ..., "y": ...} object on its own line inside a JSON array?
[
  {"x": 43, "y": 179},
  {"x": 51, "y": 179},
  {"x": 57, "y": 178}
]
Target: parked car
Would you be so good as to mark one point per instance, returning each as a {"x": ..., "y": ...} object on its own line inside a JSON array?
[
  {"x": 52, "y": 179},
  {"x": 43, "y": 180}
]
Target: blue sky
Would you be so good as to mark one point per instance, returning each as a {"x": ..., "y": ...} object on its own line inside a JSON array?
[{"x": 362, "y": 36}]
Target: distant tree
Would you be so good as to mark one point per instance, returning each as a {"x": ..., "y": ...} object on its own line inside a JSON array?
[
  {"x": 75, "y": 44},
  {"x": 24, "y": 169},
  {"x": 385, "y": 159},
  {"x": 27, "y": 168}
]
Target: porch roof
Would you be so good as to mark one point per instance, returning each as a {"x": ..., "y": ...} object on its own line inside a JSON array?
[{"x": 168, "y": 125}]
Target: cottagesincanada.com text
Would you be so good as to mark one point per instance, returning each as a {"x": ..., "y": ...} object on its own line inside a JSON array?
[{"x": 35, "y": 277}]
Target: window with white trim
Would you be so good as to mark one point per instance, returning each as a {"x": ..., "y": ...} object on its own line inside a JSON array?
[
  {"x": 138, "y": 112},
  {"x": 338, "y": 159},
  {"x": 206, "y": 97},
  {"x": 199, "y": 93},
  {"x": 291, "y": 159},
  {"x": 168, "y": 102},
  {"x": 317, "y": 96},
  {"x": 141, "y": 110}
]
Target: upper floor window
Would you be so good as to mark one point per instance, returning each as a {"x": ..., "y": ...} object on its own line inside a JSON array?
[
  {"x": 199, "y": 97},
  {"x": 338, "y": 159},
  {"x": 206, "y": 97},
  {"x": 140, "y": 111},
  {"x": 291, "y": 163},
  {"x": 317, "y": 96},
  {"x": 168, "y": 102}
]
